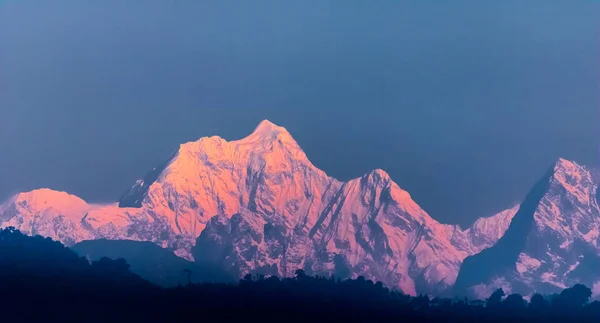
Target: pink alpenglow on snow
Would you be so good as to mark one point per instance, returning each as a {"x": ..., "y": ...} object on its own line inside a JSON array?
[{"x": 259, "y": 205}]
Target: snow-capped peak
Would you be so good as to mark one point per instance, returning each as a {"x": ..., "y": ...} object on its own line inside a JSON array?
[
  {"x": 267, "y": 129},
  {"x": 261, "y": 206},
  {"x": 381, "y": 174},
  {"x": 575, "y": 179},
  {"x": 43, "y": 199},
  {"x": 274, "y": 141},
  {"x": 553, "y": 241},
  {"x": 570, "y": 173},
  {"x": 565, "y": 164}
]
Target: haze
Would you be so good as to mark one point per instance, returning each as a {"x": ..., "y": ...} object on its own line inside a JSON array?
[{"x": 465, "y": 103}]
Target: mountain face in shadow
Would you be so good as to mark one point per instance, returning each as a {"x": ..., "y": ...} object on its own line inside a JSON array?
[
  {"x": 496, "y": 260},
  {"x": 151, "y": 262},
  {"x": 134, "y": 196},
  {"x": 551, "y": 244}
]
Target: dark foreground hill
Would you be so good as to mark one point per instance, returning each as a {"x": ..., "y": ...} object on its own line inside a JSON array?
[
  {"x": 41, "y": 280},
  {"x": 153, "y": 263}
]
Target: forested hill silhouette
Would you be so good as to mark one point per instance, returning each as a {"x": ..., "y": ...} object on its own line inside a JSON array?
[
  {"x": 153, "y": 263},
  {"x": 42, "y": 280}
]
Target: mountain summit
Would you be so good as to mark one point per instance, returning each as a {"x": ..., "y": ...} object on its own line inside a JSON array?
[
  {"x": 552, "y": 243},
  {"x": 258, "y": 205},
  {"x": 268, "y": 130}
]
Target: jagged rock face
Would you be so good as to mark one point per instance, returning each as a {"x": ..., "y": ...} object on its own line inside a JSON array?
[
  {"x": 266, "y": 173},
  {"x": 552, "y": 242},
  {"x": 276, "y": 212},
  {"x": 258, "y": 205},
  {"x": 368, "y": 227}
]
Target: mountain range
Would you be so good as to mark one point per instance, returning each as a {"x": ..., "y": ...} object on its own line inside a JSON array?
[{"x": 258, "y": 205}]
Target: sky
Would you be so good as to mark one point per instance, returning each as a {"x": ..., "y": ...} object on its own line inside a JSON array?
[{"x": 465, "y": 104}]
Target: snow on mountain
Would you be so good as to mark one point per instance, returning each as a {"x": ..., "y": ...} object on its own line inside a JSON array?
[
  {"x": 47, "y": 213},
  {"x": 552, "y": 243},
  {"x": 483, "y": 233},
  {"x": 258, "y": 205}
]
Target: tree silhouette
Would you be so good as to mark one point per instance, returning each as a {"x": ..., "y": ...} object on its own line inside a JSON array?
[
  {"x": 495, "y": 300},
  {"x": 39, "y": 271},
  {"x": 574, "y": 297},
  {"x": 300, "y": 274},
  {"x": 538, "y": 304},
  {"x": 514, "y": 302},
  {"x": 189, "y": 276}
]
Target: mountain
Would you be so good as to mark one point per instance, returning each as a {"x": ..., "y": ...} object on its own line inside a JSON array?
[
  {"x": 151, "y": 262},
  {"x": 258, "y": 205},
  {"x": 483, "y": 233},
  {"x": 47, "y": 213},
  {"x": 552, "y": 242},
  {"x": 68, "y": 219}
]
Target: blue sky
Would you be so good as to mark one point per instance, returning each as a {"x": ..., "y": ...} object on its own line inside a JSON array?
[{"x": 464, "y": 103}]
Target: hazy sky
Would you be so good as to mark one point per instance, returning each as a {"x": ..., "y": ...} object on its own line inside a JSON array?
[{"x": 465, "y": 103}]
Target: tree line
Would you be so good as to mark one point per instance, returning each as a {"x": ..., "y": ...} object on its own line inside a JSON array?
[{"x": 41, "y": 279}]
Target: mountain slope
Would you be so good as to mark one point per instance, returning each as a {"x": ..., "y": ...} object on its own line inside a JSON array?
[
  {"x": 259, "y": 205},
  {"x": 552, "y": 242},
  {"x": 371, "y": 228},
  {"x": 483, "y": 233},
  {"x": 47, "y": 213},
  {"x": 68, "y": 219}
]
